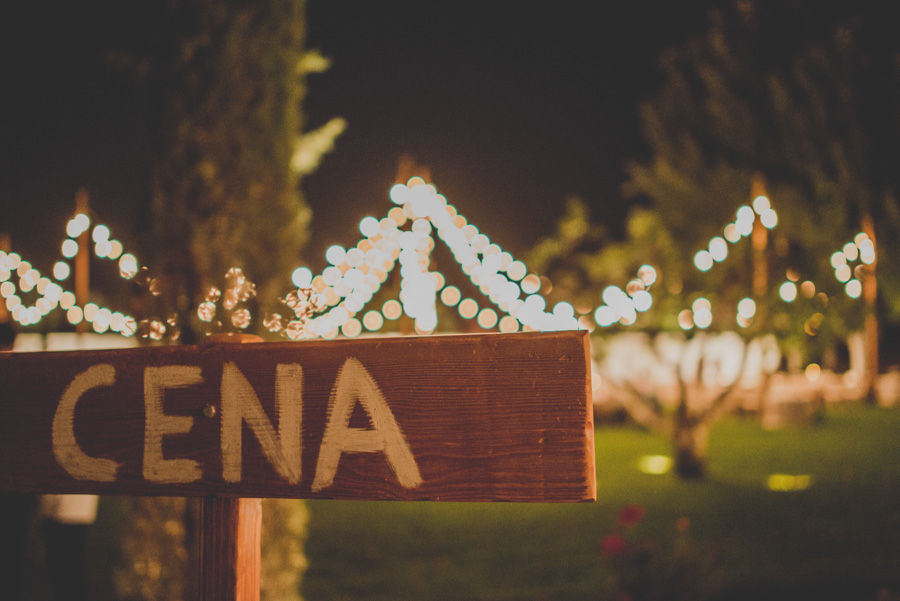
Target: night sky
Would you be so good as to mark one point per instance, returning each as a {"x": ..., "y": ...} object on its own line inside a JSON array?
[{"x": 514, "y": 108}]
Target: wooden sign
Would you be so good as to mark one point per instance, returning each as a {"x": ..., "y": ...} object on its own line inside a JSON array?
[{"x": 493, "y": 417}]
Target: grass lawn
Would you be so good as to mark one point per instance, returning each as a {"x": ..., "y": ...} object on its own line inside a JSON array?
[{"x": 836, "y": 535}]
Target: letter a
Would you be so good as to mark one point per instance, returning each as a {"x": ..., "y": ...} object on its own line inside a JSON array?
[
  {"x": 354, "y": 383},
  {"x": 69, "y": 455}
]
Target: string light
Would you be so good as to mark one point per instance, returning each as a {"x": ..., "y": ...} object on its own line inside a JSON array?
[
  {"x": 52, "y": 295},
  {"x": 861, "y": 249},
  {"x": 405, "y": 236},
  {"x": 788, "y": 291}
]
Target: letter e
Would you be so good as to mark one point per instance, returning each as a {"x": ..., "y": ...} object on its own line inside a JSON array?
[{"x": 156, "y": 424}]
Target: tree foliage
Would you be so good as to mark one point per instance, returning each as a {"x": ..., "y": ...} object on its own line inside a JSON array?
[
  {"x": 234, "y": 147},
  {"x": 818, "y": 118},
  {"x": 815, "y": 116}
]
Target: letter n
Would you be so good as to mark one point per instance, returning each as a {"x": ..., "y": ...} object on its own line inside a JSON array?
[{"x": 282, "y": 447}]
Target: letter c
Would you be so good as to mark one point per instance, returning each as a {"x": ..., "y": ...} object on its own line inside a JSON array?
[{"x": 68, "y": 454}]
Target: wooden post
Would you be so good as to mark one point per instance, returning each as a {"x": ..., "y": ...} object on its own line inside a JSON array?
[
  {"x": 230, "y": 534},
  {"x": 407, "y": 168},
  {"x": 870, "y": 328},
  {"x": 230, "y": 549},
  {"x": 759, "y": 239},
  {"x": 82, "y": 260}
]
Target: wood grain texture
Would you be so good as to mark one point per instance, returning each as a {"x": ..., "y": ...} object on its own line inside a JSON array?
[
  {"x": 489, "y": 417},
  {"x": 230, "y": 549}
]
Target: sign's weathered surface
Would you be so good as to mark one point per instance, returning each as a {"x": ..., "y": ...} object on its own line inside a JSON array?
[{"x": 454, "y": 418}]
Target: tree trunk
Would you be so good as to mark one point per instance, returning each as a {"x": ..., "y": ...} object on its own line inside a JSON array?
[{"x": 689, "y": 441}]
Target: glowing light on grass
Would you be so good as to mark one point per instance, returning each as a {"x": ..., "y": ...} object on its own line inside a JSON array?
[
  {"x": 788, "y": 482},
  {"x": 655, "y": 465}
]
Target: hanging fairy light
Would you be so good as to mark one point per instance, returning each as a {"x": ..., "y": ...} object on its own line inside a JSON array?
[
  {"x": 860, "y": 250},
  {"x": 405, "y": 237},
  {"x": 52, "y": 295}
]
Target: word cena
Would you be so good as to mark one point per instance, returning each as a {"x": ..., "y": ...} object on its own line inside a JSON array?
[{"x": 281, "y": 445}]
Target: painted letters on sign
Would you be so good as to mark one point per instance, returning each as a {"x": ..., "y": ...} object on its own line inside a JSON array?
[
  {"x": 489, "y": 417},
  {"x": 283, "y": 447}
]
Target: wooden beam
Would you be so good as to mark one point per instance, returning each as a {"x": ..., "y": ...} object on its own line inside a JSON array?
[
  {"x": 82, "y": 269},
  {"x": 487, "y": 417}
]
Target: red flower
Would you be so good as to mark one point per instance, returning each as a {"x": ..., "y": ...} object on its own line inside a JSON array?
[
  {"x": 613, "y": 545},
  {"x": 630, "y": 515}
]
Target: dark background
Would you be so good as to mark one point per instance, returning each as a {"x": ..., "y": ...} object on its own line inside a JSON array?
[
  {"x": 513, "y": 109},
  {"x": 513, "y": 106}
]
